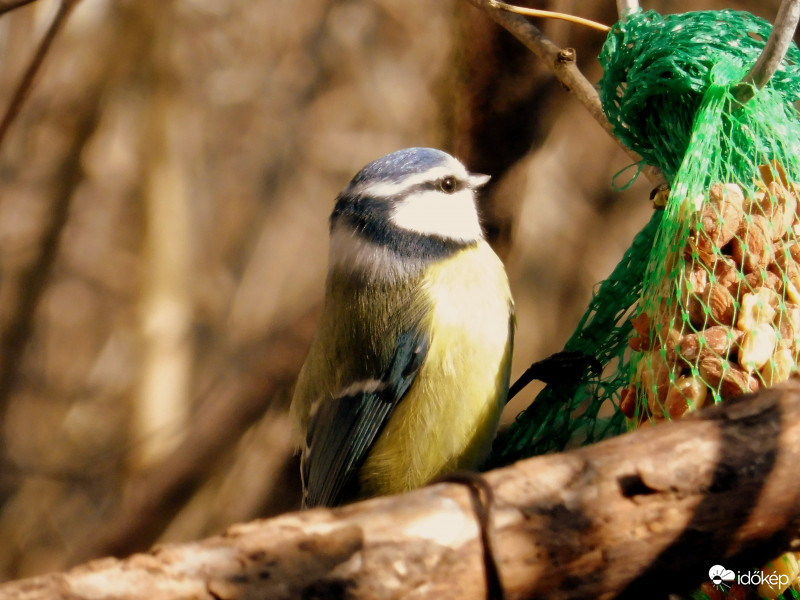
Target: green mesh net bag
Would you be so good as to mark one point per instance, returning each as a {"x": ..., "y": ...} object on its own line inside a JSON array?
[
  {"x": 719, "y": 313},
  {"x": 706, "y": 302}
]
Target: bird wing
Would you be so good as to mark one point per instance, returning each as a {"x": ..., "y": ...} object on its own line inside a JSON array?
[{"x": 342, "y": 430}]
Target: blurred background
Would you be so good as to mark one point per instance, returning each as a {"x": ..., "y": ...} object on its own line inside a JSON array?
[{"x": 164, "y": 195}]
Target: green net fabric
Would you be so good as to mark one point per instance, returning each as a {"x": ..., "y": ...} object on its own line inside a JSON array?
[
  {"x": 706, "y": 302},
  {"x": 570, "y": 414},
  {"x": 657, "y": 70}
]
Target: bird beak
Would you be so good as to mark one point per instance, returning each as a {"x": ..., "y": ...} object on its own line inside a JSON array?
[{"x": 477, "y": 181}]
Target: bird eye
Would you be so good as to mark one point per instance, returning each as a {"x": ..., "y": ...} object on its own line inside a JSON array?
[{"x": 448, "y": 184}]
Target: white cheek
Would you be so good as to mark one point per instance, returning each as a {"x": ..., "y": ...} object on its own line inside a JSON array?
[{"x": 450, "y": 216}]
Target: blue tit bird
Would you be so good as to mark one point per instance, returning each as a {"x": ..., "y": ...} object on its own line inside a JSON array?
[{"x": 408, "y": 371}]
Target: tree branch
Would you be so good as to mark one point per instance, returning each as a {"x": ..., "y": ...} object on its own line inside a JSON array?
[
  {"x": 626, "y": 7},
  {"x": 651, "y": 510},
  {"x": 562, "y": 63},
  {"x": 26, "y": 83},
  {"x": 78, "y": 127},
  {"x": 8, "y": 7},
  {"x": 772, "y": 55}
]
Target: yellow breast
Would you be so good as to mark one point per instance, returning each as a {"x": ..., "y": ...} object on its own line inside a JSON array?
[{"x": 448, "y": 418}]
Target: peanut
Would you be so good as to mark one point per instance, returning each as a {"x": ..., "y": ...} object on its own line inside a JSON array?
[
  {"x": 751, "y": 247},
  {"x": 627, "y": 401},
  {"x": 720, "y": 217},
  {"x": 779, "y": 367},
  {"x": 715, "y": 306},
  {"x": 757, "y": 346},
  {"x": 753, "y": 281},
  {"x": 689, "y": 393},
  {"x": 653, "y": 376},
  {"x": 759, "y": 306},
  {"x": 719, "y": 339},
  {"x": 773, "y": 171},
  {"x": 789, "y": 327},
  {"x": 727, "y": 378}
]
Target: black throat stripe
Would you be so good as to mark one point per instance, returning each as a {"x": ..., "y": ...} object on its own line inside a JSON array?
[{"x": 370, "y": 218}]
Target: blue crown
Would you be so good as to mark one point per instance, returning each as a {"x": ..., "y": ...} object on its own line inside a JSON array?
[{"x": 397, "y": 165}]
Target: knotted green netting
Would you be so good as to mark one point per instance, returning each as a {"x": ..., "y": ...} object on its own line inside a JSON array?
[
  {"x": 567, "y": 414},
  {"x": 706, "y": 302},
  {"x": 657, "y": 70}
]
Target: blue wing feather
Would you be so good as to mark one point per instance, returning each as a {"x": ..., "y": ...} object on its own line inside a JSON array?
[{"x": 343, "y": 429}]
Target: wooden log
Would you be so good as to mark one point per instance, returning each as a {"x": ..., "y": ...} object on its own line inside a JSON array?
[{"x": 637, "y": 516}]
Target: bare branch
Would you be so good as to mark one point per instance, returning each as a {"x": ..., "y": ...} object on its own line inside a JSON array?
[
  {"x": 646, "y": 511},
  {"x": 4, "y": 8},
  {"x": 35, "y": 277},
  {"x": 25, "y": 84},
  {"x": 626, "y": 7},
  {"x": 773, "y": 53},
  {"x": 562, "y": 63}
]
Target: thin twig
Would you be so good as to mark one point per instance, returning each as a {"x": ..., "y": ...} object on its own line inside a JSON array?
[
  {"x": 626, "y": 7},
  {"x": 548, "y": 14},
  {"x": 562, "y": 63},
  {"x": 25, "y": 84},
  {"x": 773, "y": 53}
]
